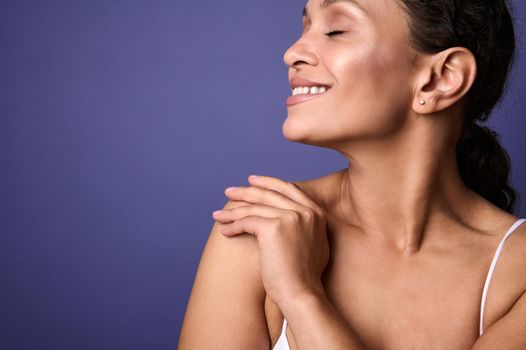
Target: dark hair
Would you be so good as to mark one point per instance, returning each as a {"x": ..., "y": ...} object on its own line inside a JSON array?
[{"x": 485, "y": 27}]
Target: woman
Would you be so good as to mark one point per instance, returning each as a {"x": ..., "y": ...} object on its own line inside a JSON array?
[{"x": 395, "y": 251}]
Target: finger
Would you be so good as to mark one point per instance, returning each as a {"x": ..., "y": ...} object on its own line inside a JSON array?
[
  {"x": 254, "y": 225},
  {"x": 289, "y": 189},
  {"x": 229, "y": 215},
  {"x": 258, "y": 195}
]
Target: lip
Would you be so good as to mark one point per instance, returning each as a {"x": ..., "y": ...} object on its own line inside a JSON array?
[
  {"x": 292, "y": 100},
  {"x": 302, "y": 82}
]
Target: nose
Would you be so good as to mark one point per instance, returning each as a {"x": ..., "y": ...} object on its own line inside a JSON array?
[{"x": 301, "y": 52}]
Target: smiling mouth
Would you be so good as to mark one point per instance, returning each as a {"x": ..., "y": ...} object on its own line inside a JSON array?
[
  {"x": 309, "y": 90},
  {"x": 304, "y": 94}
]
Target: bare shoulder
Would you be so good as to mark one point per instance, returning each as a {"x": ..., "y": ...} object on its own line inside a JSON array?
[
  {"x": 504, "y": 325},
  {"x": 226, "y": 304},
  {"x": 513, "y": 255},
  {"x": 508, "y": 282}
]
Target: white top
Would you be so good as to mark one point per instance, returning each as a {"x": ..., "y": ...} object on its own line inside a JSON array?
[{"x": 283, "y": 344}]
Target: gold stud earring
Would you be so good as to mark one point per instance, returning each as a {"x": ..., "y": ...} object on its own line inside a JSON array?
[{"x": 422, "y": 102}]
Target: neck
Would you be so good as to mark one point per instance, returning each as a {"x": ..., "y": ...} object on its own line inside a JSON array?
[{"x": 393, "y": 187}]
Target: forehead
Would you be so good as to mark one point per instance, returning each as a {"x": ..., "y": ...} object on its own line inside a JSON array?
[
  {"x": 323, "y": 4},
  {"x": 376, "y": 10}
]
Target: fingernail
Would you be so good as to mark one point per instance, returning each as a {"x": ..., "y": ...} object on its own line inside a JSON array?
[
  {"x": 230, "y": 189},
  {"x": 253, "y": 176},
  {"x": 217, "y": 212}
]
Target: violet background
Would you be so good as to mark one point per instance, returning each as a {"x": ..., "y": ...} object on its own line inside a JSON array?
[{"x": 121, "y": 123}]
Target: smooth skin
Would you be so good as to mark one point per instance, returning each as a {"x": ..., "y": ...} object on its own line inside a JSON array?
[{"x": 409, "y": 246}]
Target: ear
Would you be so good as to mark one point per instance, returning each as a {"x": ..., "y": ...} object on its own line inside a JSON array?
[{"x": 444, "y": 79}]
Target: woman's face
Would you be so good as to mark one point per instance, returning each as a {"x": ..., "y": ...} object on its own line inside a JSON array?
[{"x": 368, "y": 66}]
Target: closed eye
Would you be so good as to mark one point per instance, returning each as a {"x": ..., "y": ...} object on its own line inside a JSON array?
[{"x": 335, "y": 32}]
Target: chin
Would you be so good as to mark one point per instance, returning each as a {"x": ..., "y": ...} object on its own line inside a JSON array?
[
  {"x": 301, "y": 132},
  {"x": 296, "y": 130}
]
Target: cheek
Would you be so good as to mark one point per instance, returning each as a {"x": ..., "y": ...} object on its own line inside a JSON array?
[
  {"x": 373, "y": 89},
  {"x": 373, "y": 73}
]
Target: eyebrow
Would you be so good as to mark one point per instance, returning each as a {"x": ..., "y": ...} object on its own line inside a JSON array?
[{"x": 327, "y": 3}]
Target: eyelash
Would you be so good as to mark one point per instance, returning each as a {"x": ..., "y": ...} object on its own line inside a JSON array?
[{"x": 334, "y": 32}]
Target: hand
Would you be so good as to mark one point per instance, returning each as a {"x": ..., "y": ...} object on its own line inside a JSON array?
[{"x": 291, "y": 232}]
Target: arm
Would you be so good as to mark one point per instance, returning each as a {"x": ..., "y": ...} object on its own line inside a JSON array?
[
  {"x": 316, "y": 324},
  {"x": 509, "y": 332},
  {"x": 226, "y": 306}
]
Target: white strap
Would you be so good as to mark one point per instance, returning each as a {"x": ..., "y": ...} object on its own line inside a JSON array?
[
  {"x": 492, "y": 267},
  {"x": 282, "y": 343}
]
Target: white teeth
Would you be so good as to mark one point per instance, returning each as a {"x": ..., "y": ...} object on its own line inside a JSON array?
[{"x": 314, "y": 90}]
